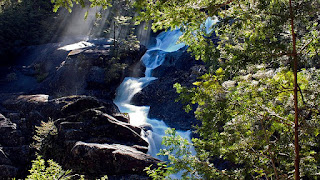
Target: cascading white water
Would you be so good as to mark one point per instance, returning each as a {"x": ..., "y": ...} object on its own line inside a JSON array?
[{"x": 153, "y": 58}]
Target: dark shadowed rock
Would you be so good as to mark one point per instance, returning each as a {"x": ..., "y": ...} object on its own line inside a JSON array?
[
  {"x": 161, "y": 97},
  {"x": 91, "y": 158},
  {"x": 122, "y": 117},
  {"x": 60, "y": 72},
  {"x": 8, "y": 171},
  {"x": 95, "y": 124},
  {"x": 10, "y": 136},
  {"x": 80, "y": 105},
  {"x": 4, "y": 160},
  {"x": 143, "y": 149},
  {"x": 37, "y": 107},
  {"x": 13, "y": 152},
  {"x": 108, "y": 143},
  {"x": 78, "y": 118}
]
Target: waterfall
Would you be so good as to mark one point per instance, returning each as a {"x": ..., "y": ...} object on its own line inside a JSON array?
[{"x": 153, "y": 58}]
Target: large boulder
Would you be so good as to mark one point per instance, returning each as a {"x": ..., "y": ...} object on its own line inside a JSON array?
[
  {"x": 94, "y": 143},
  {"x": 94, "y": 125},
  {"x": 86, "y": 102},
  {"x": 77, "y": 118},
  {"x": 96, "y": 159}
]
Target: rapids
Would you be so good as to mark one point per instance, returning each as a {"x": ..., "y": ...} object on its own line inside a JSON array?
[{"x": 153, "y": 58}]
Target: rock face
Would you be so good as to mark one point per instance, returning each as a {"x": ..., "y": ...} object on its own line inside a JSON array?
[
  {"x": 92, "y": 137},
  {"x": 121, "y": 159},
  {"x": 91, "y": 71},
  {"x": 57, "y": 70},
  {"x": 178, "y": 67}
]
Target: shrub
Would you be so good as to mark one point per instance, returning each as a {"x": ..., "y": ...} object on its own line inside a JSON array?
[
  {"x": 49, "y": 170},
  {"x": 44, "y": 134}
]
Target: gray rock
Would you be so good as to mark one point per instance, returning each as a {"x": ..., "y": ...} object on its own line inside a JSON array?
[
  {"x": 96, "y": 124},
  {"x": 78, "y": 118},
  {"x": 80, "y": 105},
  {"x": 95, "y": 159},
  {"x": 122, "y": 117}
]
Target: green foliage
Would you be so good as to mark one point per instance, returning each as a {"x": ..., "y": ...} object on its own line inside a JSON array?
[
  {"x": 159, "y": 173},
  {"x": 250, "y": 32},
  {"x": 183, "y": 163},
  {"x": 44, "y": 135},
  {"x": 114, "y": 70},
  {"x": 40, "y": 71},
  {"x": 120, "y": 27},
  {"x": 68, "y": 4},
  {"x": 50, "y": 170},
  {"x": 249, "y": 121},
  {"x": 24, "y": 22},
  {"x": 246, "y": 110},
  {"x": 129, "y": 44}
]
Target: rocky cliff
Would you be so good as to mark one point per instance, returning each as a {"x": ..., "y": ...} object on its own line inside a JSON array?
[{"x": 87, "y": 135}]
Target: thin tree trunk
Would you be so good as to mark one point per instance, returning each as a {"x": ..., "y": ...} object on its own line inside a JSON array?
[
  {"x": 114, "y": 34},
  {"x": 295, "y": 94}
]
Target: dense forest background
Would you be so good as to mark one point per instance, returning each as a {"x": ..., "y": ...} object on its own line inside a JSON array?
[{"x": 25, "y": 23}]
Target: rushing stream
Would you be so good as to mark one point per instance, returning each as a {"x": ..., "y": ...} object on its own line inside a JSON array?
[{"x": 153, "y": 58}]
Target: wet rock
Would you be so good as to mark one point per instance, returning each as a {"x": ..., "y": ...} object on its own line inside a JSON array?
[
  {"x": 178, "y": 67},
  {"x": 91, "y": 158},
  {"x": 161, "y": 97},
  {"x": 178, "y": 60}
]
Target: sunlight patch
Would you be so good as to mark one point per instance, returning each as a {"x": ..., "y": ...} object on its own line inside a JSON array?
[{"x": 78, "y": 45}]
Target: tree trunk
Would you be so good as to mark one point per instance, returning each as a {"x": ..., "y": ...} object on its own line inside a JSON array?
[{"x": 295, "y": 94}]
